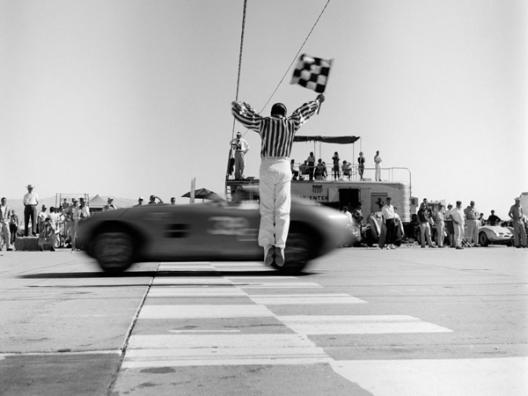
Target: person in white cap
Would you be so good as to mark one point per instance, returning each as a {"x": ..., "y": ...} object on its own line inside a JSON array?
[
  {"x": 31, "y": 201},
  {"x": 239, "y": 148},
  {"x": 276, "y": 133}
]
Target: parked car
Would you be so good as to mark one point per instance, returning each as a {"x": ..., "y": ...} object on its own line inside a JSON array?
[
  {"x": 495, "y": 235},
  {"x": 213, "y": 231}
]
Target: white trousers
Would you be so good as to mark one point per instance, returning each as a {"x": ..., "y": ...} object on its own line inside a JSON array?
[
  {"x": 275, "y": 202},
  {"x": 459, "y": 233},
  {"x": 377, "y": 176}
]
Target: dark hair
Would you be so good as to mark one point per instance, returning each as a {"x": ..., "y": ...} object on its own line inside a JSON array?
[{"x": 278, "y": 109}]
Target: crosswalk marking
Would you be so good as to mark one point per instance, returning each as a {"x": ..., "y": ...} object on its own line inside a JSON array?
[
  {"x": 196, "y": 292},
  {"x": 296, "y": 299},
  {"x": 203, "y": 311},
  {"x": 190, "y": 280},
  {"x": 221, "y": 349},
  {"x": 439, "y": 377},
  {"x": 359, "y": 324},
  {"x": 279, "y": 285}
]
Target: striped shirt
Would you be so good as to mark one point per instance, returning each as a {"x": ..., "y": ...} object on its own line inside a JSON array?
[{"x": 276, "y": 133}]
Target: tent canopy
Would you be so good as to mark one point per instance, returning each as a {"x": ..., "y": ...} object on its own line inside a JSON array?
[
  {"x": 326, "y": 139},
  {"x": 202, "y": 193}
]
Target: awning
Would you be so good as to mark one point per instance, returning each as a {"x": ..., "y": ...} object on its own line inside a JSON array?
[{"x": 326, "y": 139}]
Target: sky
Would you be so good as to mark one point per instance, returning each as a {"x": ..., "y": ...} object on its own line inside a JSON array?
[{"x": 132, "y": 97}]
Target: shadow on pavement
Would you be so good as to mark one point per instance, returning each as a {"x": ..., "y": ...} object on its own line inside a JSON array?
[{"x": 142, "y": 274}]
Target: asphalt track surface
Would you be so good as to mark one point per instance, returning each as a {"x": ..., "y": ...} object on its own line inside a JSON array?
[{"x": 361, "y": 321}]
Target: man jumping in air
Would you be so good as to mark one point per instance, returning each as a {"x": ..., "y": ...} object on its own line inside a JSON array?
[{"x": 276, "y": 133}]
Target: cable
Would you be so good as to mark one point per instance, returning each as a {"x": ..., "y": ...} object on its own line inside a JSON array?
[
  {"x": 295, "y": 57},
  {"x": 240, "y": 60}
]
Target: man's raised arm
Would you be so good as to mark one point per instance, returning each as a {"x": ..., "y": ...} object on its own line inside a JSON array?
[
  {"x": 307, "y": 110},
  {"x": 246, "y": 115}
]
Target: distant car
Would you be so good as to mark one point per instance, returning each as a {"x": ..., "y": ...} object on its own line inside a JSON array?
[
  {"x": 212, "y": 231},
  {"x": 488, "y": 234}
]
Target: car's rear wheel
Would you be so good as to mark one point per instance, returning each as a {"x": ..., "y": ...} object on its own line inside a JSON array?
[
  {"x": 483, "y": 239},
  {"x": 299, "y": 251},
  {"x": 114, "y": 251}
]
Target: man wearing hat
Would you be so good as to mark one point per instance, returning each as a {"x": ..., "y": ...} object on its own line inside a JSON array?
[
  {"x": 239, "y": 148},
  {"x": 519, "y": 233},
  {"x": 140, "y": 202},
  {"x": 30, "y": 210},
  {"x": 276, "y": 133}
]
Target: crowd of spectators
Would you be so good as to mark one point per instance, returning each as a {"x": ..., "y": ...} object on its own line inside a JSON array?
[
  {"x": 318, "y": 170},
  {"x": 55, "y": 226},
  {"x": 434, "y": 226}
]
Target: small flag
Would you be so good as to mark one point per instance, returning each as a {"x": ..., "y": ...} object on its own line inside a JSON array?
[{"x": 312, "y": 72}]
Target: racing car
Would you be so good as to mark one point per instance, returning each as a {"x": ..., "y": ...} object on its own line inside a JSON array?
[
  {"x": 209, "y": 231},
  {"x": 488, "y": 234}
]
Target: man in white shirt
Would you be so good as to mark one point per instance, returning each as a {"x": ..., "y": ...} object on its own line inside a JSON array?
[
  {"x": 5, "y": 216},
  {"x": 239, "y": 148},
  {"x": 388, "y": 219},
  {"x": 377, "y": 164},
  {"x": 30, "y": 210},
  {"x": 458, "y": 223}
]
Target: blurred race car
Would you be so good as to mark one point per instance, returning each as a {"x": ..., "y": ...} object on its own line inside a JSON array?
[
  {"x": 494, "y": 235},
  {"x": 212, "y": 231}
]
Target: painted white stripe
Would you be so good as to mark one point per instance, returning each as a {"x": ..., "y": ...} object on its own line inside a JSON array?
[
  {"x": 203, "y": 311},
  {"x": 359, "y": 324},
  {"x": 255, "y": 264},
  {"x": 221, "y": 349},
  {"x": 439, "y": 377},
  {"x": 259, "y": 278},
  {"x": 131, "y": 364},
  {"x": 278, "y": 285},
  {"x": 191, "y": 280},
  {"x": 204, "y": 331},
  {"x": 188, "y": 268},
  {"x": 305, "y": 299},
  {"x": 195, "y": 292},
  {"x": 258, "y": 342}
]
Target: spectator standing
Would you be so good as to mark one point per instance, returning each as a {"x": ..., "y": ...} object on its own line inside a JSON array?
[
  {"x": 424, "y": 218},
  {"x": 84, "y": 208},
  {"x": 389, "y": 220},
  {"x": 5, "y": 231},
  {"x": 493, "y": 219},
  {"x": 440, "y": 226},
  {"x": 303, "y": 170},
  {"x": 335, "y": 166},
  {"x": 76, "y": 216},
  {"x": 361, "y": 165},
  {"x": 449, "y": 226},
  {"x": 30, "y": 210},
  {"x": 109, "y": 205},
  {"x": 458, "y": 223},
  {"x": 68, "y": 223},
  {"x": 472, "y": 225},
  {"x": 519, "y": 233},
  {"x": 54, "y": 221},
  {"x": 481, "y": 220},
  {"x": 277, "y": 133},
  {"x": 239, "y": 146},
  {"x": 377, "y": 165},
  {"x": 13, "y": 226},
  {"x": 295, "y": 172},
  {"x": 43, "y": 214},
  {"x": 173, "y": 201},
  {"x": 311, "y": 165},
  {"x": 140, "y": 202}
]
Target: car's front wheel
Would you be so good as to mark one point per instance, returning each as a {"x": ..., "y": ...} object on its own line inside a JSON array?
[
  {"x": 483, "y": 239},
  {"x": 114, "y": 251}
]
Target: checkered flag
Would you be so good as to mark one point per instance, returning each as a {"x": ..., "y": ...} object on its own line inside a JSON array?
[{"x": 312, "y": 72}]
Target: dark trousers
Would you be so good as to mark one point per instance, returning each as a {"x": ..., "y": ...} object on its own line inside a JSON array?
[
  {"x": 311, "y": 168},
  {"x": 13, "y": 228},
  {"x": 30, "y": 211},
  {"x": 391, "y": 228}
]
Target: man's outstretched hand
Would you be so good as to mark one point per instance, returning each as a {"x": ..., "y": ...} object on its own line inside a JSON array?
[{"x": 321, "y": 98}]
